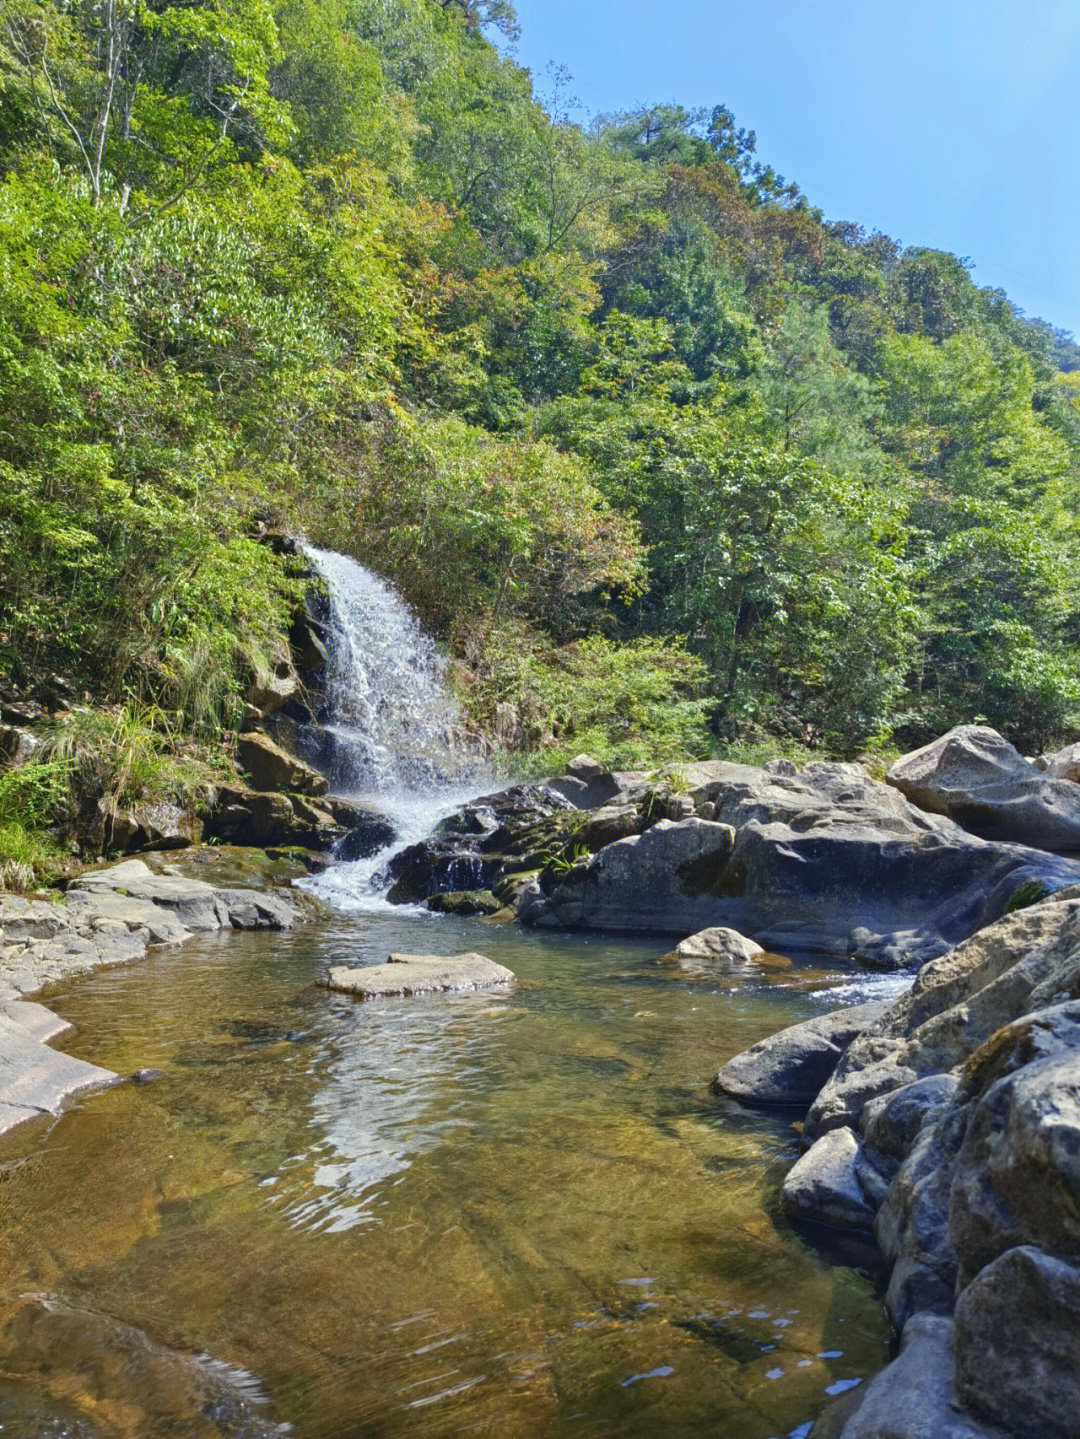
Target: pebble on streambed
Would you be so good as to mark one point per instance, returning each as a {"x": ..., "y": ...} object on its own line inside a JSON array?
[{"x": 417, "y": 974}]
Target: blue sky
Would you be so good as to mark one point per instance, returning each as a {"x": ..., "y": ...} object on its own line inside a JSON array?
[{"x": 953, "y": 124}]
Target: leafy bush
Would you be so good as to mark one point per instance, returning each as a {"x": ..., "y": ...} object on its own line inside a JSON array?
[{"x": 630, "y": 706}]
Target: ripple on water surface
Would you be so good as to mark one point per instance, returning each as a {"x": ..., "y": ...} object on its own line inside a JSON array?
[{"x": 518, "y": 1214}]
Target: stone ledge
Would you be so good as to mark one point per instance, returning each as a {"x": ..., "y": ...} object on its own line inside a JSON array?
[{"x": 108, "y": 916}]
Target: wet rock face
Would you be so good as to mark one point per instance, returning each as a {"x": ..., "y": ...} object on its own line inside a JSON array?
[
  {"x": 480, "y": 844},
  {"x": 976, "y": 777}
]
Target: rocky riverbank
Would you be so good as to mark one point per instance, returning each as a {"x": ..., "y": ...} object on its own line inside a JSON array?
[
  {"x": 821, "y": 859},
  {"x": 948, "y": 1124},
  {"x": 107, "y": 916}
]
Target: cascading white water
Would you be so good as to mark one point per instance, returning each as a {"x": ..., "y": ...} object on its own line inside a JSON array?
[{"x": 393, "y": 734}]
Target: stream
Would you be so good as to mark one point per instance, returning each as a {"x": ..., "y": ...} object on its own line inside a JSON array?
[{"x": 519, "y": 1213}]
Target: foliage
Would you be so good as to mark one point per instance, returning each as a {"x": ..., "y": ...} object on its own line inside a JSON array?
[{"x": 663, "y": 456}]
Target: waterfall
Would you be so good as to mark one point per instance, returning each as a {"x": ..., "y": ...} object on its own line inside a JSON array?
[{"x": 392, "y": 735}]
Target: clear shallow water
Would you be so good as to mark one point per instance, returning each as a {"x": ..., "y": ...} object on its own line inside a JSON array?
[{"x": 516, "y": 1214}]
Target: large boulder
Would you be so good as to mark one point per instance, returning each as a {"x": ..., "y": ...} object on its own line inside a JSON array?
[
  {"x": 790, "y": 1067},
  {"x": 976, "y": 777},
  {"x": 273, "y": 768},
  {"x": 1017, "y": 1178},
  {"x": 661, "y": 881},
  {"x": 824, "y": 860},
  {"x": 1017, "y": 1344},
  {"x": 912, "y": 1398},
  {"x": 1062, "y": 764},
  {"x": 955, "y": 1005}
]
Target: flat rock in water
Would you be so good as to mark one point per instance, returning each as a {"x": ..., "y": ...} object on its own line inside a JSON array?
[
  {"x": 414, "y": 974},
  {"x": 35, "y": 1079}
]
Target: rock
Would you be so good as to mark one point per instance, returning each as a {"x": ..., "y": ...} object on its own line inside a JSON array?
[
  {"x": 913, "y": 1397},
  {"x": 891, "y": 1122},
  {"x": 433, "y": 867},
  {"x": 419, "y": 974},
  {"x": 151, "y": 825},
  {"x": 912, "y": 1225},
  {"x": 367, "y": 829},
  {"x": 307, "y": 639},
  {"x": 465, "y": 902},
  {"x": 823, "y": 1187},
  {"x": 252, "y": 817},
  {"x": 956, "y": 1003},
  {"x": 273, "y": 768},
  {"x": 976, "y": 777},
  {"x": 790, "y": 1067},
  {"x": 659, "y": 881},
  {"x": 35, "y": 1079},
  {"x": 725, "y": 946},
  {"x": 1017, "y": 1178},
  {"x": 1063, "y": 764},
  {"x": 267, "y": 694},
  {"x": 1017, "y": 1344},
  {"x": 109, "y": 1368},
  {"x": 609, "y": 823},
  {"x": 826, "y": 860},
  {"x": 586, "y": 783},
  {"x": 17, "y": 744}
]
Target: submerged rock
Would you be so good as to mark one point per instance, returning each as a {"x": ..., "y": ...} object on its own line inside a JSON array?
[
  {"x": 105, "y": 1368},
  {"x": 419, "y": 974},
  {"x": 976, "y": 777}
]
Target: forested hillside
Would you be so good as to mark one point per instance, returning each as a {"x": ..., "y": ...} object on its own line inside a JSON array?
[{"x": 666, "y": 458}]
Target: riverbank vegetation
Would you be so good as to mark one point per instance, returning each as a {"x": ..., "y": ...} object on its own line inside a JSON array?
[{"x": 668, "y": 459}]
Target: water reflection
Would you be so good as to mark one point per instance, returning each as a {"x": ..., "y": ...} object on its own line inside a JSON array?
[
  {"x": 483, "y": 1213},
  {"x": 399, "y": 1080}
]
